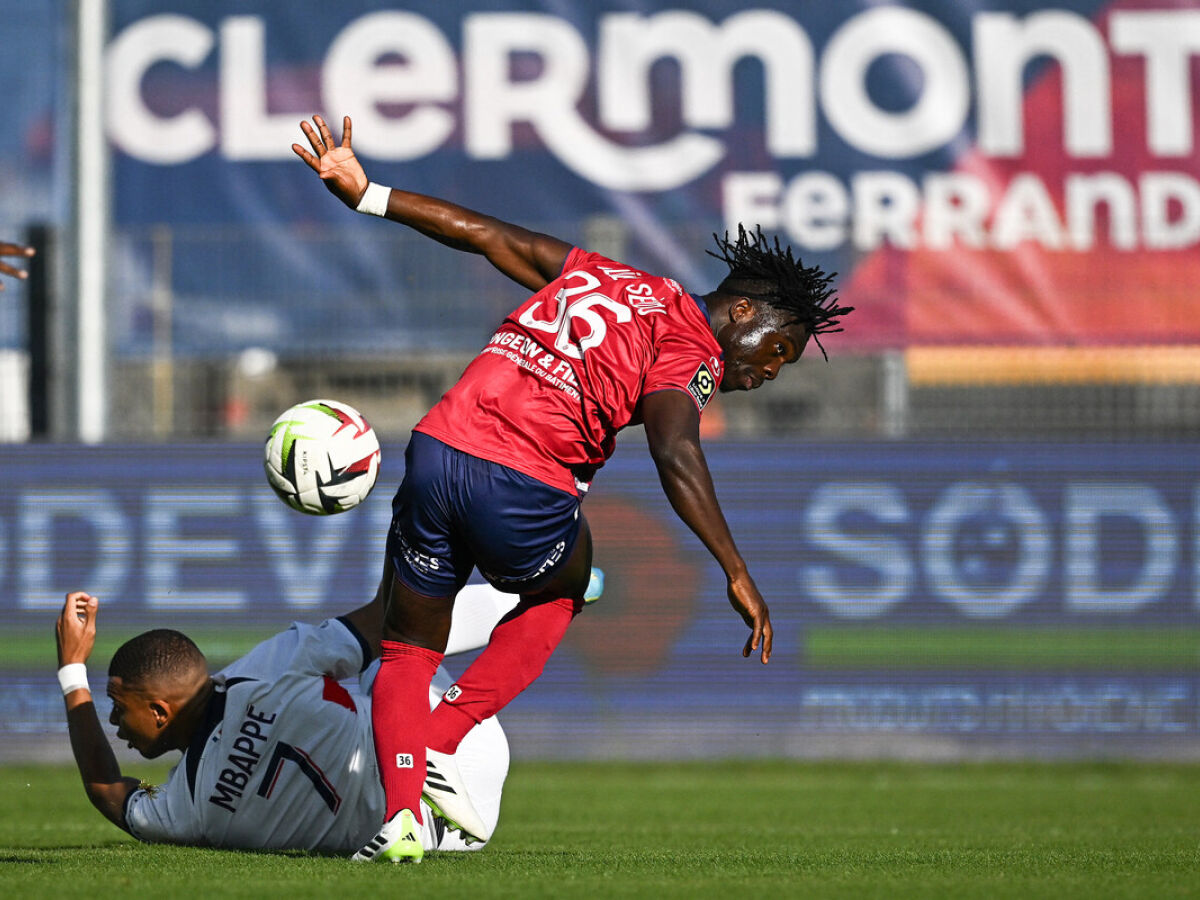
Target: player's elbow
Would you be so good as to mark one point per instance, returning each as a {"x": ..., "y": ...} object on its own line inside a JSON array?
[
  {"x": 673, "y": 449},
  {"x": 667, "y": 456},
  {"x": 109, "y": 799},
  {"x": 677, "y": 461}
]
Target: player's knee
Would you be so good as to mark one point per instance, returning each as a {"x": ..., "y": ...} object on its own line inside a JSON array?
[{"x": 416, "y": 619}]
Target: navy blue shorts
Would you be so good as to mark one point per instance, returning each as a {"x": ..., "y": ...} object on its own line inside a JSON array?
[{"x": 455, "y": 511}]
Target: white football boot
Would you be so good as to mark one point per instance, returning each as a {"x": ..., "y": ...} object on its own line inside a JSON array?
[
  {"x": 398, "y": 841},
  {"x": 446, "y": 794}
]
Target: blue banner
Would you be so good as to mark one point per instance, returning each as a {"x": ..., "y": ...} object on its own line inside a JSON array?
[
  {"x": 903, "y": 532},
  {"x": 915, "y": 148},
  {"x": 975, "y": 591},
  {"x": 984, "y": 172}
]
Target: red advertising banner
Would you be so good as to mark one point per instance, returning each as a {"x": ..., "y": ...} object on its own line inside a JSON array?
[{"x": 1088, "y": 234}]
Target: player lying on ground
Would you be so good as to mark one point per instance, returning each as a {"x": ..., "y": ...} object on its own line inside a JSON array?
[
  {"x": 495, "y": 472},
  {"x": 7, "y": 249},
  {"x": 277, "y": 754}
]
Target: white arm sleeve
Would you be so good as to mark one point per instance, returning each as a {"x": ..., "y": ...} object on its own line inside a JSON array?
[
  {"x": 166, "y": 814},
  {"x": 477, "y": 609}
]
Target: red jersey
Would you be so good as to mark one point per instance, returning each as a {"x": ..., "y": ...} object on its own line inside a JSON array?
[{"x": 568, "y": 369}]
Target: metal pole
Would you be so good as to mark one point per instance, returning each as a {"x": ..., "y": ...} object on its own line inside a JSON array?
[
  {"x": 895, "y": 395},
  {"x": 161, "y": 302},
  {"x": 41, "y": 320},
  {"x": 91, "y": 218}
]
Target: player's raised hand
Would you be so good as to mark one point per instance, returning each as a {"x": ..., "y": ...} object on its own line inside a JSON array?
[
  {"x": 336, "y": 163},
  {"x": 76, "y": 628},
  {"x": 7, "y": 249},
  {"x": 745, "y": 598}
]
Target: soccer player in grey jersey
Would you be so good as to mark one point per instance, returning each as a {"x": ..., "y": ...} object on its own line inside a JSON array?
[{"x": 277, "y": 753}]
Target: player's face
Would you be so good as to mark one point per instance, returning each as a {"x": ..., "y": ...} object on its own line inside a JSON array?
[
  {"x": 138, "y": 719},
  {"x": 757, "y": 346}
]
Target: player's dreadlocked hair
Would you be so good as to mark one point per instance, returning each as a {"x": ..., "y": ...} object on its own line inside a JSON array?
[
  {"x": 771, "y": 274},
  {"x": 161, "y": 653}
]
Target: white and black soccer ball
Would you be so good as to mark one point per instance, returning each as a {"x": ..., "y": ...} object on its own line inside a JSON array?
[{"x": 322, "y": 457}]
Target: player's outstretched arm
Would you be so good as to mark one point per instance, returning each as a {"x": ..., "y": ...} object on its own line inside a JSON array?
[
  {"x": 102, "y": 779},
  {"x": 673, "y": 433},
  {"x": 7, "y": 249},
  {"x": 527, "y": 257}
]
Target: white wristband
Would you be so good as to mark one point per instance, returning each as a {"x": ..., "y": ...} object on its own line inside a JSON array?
[
  {"x": 72, "y": 677},
  {"x": 374, "y": 200}
]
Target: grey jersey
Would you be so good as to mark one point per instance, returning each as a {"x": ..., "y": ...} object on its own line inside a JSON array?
[{"x": 286, "y": 760}]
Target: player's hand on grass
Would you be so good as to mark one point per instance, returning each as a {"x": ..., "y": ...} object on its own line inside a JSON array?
[
  {"x": 745, "y": 598},
  {"x": 336, "y": 163},
  {"x": 76, "y": 628},
  {"x": 7, "y": 249}
]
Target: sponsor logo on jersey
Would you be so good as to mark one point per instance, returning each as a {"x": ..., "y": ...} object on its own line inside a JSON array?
[
  {"x": 702, "y": 385},
  {"x": 422, "y": 562},
  {"x": 551, "y": 560}
]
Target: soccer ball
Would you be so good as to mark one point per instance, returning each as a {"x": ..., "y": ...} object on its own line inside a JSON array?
[{"x": 322, "y": 457}]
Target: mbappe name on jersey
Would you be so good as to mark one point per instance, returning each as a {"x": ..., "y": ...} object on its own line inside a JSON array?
[{"x": 243, "y": 757}]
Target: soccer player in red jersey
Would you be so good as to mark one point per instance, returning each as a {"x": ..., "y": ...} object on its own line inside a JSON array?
[{"x": 495, "y": 473}]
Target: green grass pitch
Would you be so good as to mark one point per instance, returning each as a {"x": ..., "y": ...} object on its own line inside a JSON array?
[{"x": 762, "y": 829}]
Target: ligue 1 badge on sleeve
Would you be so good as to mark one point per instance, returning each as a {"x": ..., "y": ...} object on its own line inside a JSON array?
[{"x": 702, "y": 385}]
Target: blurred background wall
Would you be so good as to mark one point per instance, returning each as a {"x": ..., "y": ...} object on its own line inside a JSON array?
[{"x": 976, "y": 524}]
